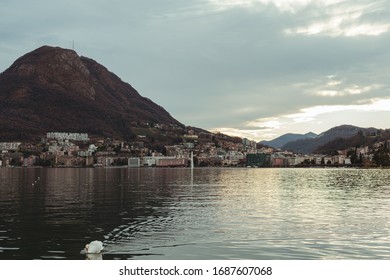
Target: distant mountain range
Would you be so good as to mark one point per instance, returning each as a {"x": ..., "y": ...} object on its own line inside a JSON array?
[
  {"x": 54, "y": 89},
  {"x": 336, "y": 138},
  {"x": 279, "y": 142}
]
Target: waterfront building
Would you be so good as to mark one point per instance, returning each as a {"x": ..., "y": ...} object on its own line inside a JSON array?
[
  {"x": 149, "y": 161},
  {"x": 279, "y": 161},
  {"x": 260, "y": 160},
  {"x": 171, "y": 162},
  {"x": 162, "y": 161},
  {"x": 104, "y": 161},
  {"x": 318, "y": 159},
  {"x": 293, "y": 161},
  {"x": 108, "y": 161},
  {"x": 328, "y": 160},
  {"x": 338, "y": 159},
  {"x": 134, "y": 162}
]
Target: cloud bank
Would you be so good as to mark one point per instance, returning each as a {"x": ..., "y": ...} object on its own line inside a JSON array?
[{"x": 254, "y": 68}]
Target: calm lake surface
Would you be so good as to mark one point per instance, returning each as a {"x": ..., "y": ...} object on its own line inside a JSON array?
[{"x": 203, "y": 214}]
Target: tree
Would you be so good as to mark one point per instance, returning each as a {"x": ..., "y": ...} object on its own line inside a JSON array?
[
  {"x": 381, "y": 157},
  {"x": 117, "y": 149},
  {"x": 354, "y": 158},
  {"x": 16, "y": 162},
  {"x": 44, "y": 162}
]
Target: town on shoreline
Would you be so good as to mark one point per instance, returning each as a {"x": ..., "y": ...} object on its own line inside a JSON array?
[{"x": 61, "y": 149}]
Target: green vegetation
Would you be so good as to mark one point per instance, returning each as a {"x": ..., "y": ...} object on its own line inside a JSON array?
[{"x": 381, "y": 157}]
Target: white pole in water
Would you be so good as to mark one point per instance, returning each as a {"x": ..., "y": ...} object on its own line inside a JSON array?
[{"x": 192, "y": 168}]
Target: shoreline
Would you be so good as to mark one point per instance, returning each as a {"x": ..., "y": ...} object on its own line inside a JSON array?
[{"x": 201, "y": 167}]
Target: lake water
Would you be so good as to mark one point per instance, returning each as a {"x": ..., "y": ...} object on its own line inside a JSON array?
[{"x": 204, "y": 214}]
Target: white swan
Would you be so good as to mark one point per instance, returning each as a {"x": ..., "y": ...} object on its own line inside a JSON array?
[{"x": 95, "y": 247}]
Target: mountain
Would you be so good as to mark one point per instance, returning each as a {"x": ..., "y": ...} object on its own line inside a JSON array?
[
  {"x": 365, "y": 137},
  {"x": 54, "y": 89},
  {"x": 307, "y": 146},
  {"x": 284, "y": 139}
]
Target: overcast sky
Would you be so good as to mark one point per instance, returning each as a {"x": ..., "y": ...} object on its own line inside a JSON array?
[{"x": 253, "y": 68}]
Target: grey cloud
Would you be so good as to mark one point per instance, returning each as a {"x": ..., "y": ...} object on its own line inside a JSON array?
[{"x": 208, "y": 67}]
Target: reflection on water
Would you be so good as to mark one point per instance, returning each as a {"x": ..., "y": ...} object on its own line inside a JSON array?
[
  {"x": 210, "y": 214},
  {"x": 94, "y": 257}
]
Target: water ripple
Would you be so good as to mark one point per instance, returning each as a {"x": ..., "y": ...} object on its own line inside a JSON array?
[{"x": 214, "y": 214}]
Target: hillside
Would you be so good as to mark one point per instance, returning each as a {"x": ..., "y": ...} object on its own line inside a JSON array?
[
  {"x": 361, "y": 139},
  {"x": 307, "y": 146},
  {"x": 54, "y": 89}
]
